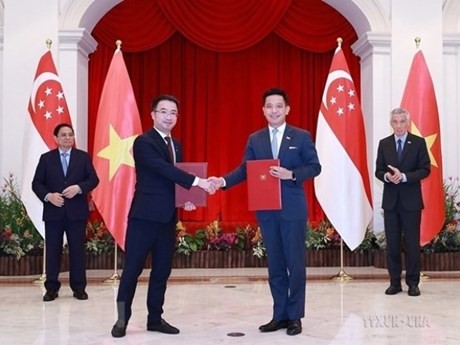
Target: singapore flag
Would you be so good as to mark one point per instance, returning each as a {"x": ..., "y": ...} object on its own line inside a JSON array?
[
  {"x": 343, "y": 188},
  {"x": 47, "y": 109}
]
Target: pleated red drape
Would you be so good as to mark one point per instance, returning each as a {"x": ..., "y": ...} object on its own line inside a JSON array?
[{"x": 218, "y": 57}]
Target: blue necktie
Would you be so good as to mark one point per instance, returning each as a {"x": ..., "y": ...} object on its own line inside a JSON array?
[
  {"x": 275, "y": 143},
  {"x": 399, "y": 149},
  {"x": 64, "y": 162}
]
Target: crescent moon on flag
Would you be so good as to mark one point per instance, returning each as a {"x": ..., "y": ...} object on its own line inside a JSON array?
[
  {"x": 42, "y": 78},
  {"x": 330, "y": 79}
]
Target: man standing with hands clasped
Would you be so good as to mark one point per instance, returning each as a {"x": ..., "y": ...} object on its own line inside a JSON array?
[
  {"x": 153, "y": 216},
  {"x": 283, "y": 231},
  {"x": 62, "y": 180},
  {"x": 402, "y": 162}
]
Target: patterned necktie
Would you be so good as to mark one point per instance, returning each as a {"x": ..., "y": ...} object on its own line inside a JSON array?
[
  {"x": 399, "y": 150},
  {"x": 170, "y": 149},
  {"x": 275, "y": 143},
  {"x": 64, "y": 162}
]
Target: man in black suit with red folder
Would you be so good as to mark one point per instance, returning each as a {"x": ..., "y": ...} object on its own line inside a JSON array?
[
  {"x": 402, "y": 162},
  {"x": 153, "y": 216}
]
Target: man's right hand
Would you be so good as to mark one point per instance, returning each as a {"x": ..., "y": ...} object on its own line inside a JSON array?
[
  {"x": 56, "y": 199},
  {"x": 207, "y": 186},
  {"x": 218, "y": 182}
]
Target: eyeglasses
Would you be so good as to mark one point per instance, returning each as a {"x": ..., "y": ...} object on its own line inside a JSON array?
[{"x": 164, "y": 112}]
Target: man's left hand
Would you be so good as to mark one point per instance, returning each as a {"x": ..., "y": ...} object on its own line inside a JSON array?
[
  {"x": 280, "y": 172},
  {"x": 71, "y": 191}
]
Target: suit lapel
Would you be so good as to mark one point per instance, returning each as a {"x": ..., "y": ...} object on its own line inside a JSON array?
[
  {"x": 285, "y": 141},
  {"x": 158, "y": 139},
  {"x": 72, "y": 161},
  {"x": 266, "y": 143},
  {"x": 392, "y": 144},
  {"x": 58, "y": 164},
  {"x": 177, "y": 150}
]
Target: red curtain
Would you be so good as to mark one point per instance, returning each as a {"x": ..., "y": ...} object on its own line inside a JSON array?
[{"x": 218, "y": 57}]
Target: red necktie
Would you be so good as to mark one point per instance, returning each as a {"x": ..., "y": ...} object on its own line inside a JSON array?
[{"x": 170, "y": 150}]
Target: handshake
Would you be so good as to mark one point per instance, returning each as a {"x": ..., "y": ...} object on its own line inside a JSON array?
[{"x": 211, "y": 184}]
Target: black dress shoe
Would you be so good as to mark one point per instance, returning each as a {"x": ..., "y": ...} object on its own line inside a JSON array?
[
  {"x": 50, "y": 295},
  {"x": 294, "y": 327},
  {"x": 80, "y": 294},
  {"x": 413, "y": 291},
  {"x": 119, "y": 329},
  {"x": 162, "y": 327},
  {"x": 393, "y": 290},
  {"x": 274, "y": 325}
]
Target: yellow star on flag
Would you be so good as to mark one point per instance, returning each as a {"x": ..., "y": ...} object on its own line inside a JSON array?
[
  {"x": 429, "y": 139},
  {"x": 118, "y": 151}
]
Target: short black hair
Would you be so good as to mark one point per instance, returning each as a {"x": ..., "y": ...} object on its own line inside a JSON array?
[
  {"x": 59, "y": 126},
  {"x": 275, "y": 91},
  {"x": 160, "y": 98}
]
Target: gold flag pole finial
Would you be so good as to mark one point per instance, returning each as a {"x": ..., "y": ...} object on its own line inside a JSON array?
[
  {"x": 417, "y": 42},
  {"x": 339, "y": 42},
  {"x": 48, "y": 43},
  {"x": 118, "y": 43}
]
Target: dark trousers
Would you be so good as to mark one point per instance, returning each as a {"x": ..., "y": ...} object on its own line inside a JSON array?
[
  {"x": 397, "y": 222},
  {"x": 144, "y": 237},
  {"x": 76, "y": 234},
  {"x": 285, "y": 244}
]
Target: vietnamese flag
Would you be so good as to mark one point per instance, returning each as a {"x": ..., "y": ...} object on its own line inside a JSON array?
[
  {"x": 343, "y": 187},
  {"x": 47, "y": 109},
  {"x": 117, "y": 125},
  {"x": 420, "y": 100}
]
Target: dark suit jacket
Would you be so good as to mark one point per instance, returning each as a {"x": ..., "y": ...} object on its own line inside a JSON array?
[
  {"x": 49, "y": 178},
  {"x": 297, "y": 153},
  {"x": 415, "y": 163},
  {"x": 156, "y": 176}
]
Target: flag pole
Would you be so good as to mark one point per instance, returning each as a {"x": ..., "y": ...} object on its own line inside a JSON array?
[
  {"x": 417, "y": 46},
  {"x": 42, "y": 277},
  {"x": 342, "y": 275},
  {"x": 115, "y": 277}
]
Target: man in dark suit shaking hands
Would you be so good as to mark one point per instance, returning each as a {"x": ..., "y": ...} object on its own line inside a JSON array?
[
  {"x": 402, "y": 162},
  {"x": 62, "y": 180},
  {"x": 153, "y": 216},
  {"x": 283, "y": 231}
]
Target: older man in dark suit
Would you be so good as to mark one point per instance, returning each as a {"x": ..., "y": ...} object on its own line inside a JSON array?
[
  {"x": 402, "y": 162},
  {"x": 63, "y": 179},
  {"x": 283, "y": 231},
  {"x": 153, "y": 216}
]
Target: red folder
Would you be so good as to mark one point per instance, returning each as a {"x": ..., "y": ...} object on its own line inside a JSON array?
[
  {"x": 195, "y": 195},
  {"x": 264, "y": 190}
]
